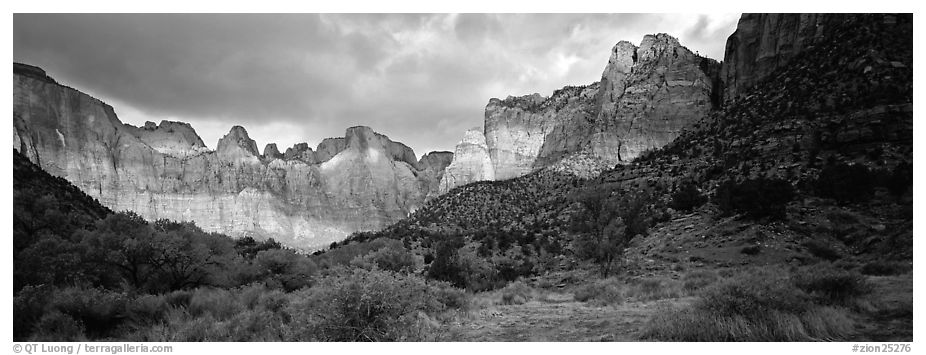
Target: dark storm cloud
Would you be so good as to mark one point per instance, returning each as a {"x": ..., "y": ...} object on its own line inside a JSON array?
[{"x": 421, "y": 79}]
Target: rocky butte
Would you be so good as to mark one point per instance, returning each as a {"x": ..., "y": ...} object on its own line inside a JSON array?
[
  {"x": 303, "y": 198},
  {"x": 646, "y": 96}
]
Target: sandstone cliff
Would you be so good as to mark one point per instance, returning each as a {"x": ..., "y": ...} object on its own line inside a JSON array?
[
  {"x": 471, "y": 162},
  {"x": 176, "y": 139},
  {"x": 762, "y": 43},
  {"x": 434, "y": 165},
  {"x": 647, "y": 95},
  {"x": 305, "y": 199}
]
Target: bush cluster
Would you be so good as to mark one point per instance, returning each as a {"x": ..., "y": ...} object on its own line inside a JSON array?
[
  {"x": 372, "y": 305},
  {"x": 821, "y": 249},
  {"x": 766, "y": 305},
  {"x": 756, "y": 198},
  {"x": 884, "y": 268},
  {"x": 846, "y": 183},
  {"x": 517, "y": 293},
  {"x": 604, "y": 292},
  {"x": 687, "y": 197}
]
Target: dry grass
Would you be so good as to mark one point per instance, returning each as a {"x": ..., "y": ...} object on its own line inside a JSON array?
[
  {"x": 654, "y": 288},
  {"x": 602, "y": 293},
  {"x": 696, "y": 324},
  {"x": 517, "y": 292},
  {"x": 766, "y": 305}
]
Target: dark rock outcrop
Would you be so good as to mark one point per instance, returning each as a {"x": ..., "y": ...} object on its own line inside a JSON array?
[
  {"x": 763, "y": 43},
  {"x": 301, "y": 152},
  {"x": 329, "y": 147},
  {"x": 272, "y": 152}
]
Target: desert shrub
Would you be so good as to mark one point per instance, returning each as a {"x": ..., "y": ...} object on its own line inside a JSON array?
[
  {"x": 511, "y": 264},
  {"x": 180, "y": 325},
  {"x": 284, "y": 269},
  {"x": 654, "y": 288},
  {"x": 248, "y": 247},
  {"x": 901, "y": 179},
  {"x": 343, "y": 254},
  {"x": 28, "y": 308},
  {"x": 687, "y": 197},
  {"x": 392, "y": 258},
  {"x": 218, "y": 303},
  {"x": 249, "y": 296},
  {"x": 147, "y": 309},
  {"x": 445, "y": 266},
  {"x": 253, "y": 325},
  {"x": 365, "y": 305},
  {"x": 821, "y": 249},
  {"x": 606, "y": 225},
  {"x": 751, "y": 249},
  {"x": 660, "y": 216},
  {"x": 846, "y": 183},
  {"x": 98, "y": 310},
  {"x": 884, "y": 268},
  {"x": 57, "y": 326},
  {"x": 479, "y": 274},
  {"x": 179, "y": 298},
  {"x": 755, "y": 198},
  {"x": 261, "y": 315},
  {"x": 755, "y": 294},
  {"x": 450, "y": 297},
  {"x": 698, "y": 279},
  {"x": 696, "y": 324},
  {"x": 846, "y": 264},
  {"x": 760, "y": 305},
  {"x": 516, "y": 292},
  {"x": 831, "y": 285},
  {"x": 602, "y": 292}
]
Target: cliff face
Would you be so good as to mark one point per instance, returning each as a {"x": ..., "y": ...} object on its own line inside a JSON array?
[
  {"x": 471, "y": 162},
  {"x": 363, "y": 181},
  {"x": 647, "y": 95},
  {"x": 434, "y": 165},
  {"x": 172, "y": 138},
  {"x": 765, "y": 42}
]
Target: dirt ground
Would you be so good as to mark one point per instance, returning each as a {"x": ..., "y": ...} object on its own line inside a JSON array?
[
  {"x": 891, "y": 315},
  {"x": 559, "y": 318}
]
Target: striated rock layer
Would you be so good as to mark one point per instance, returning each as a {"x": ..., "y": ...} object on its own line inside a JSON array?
[
  {"x": 646, "y": 96},
  {"x": 303, "y": 198}
]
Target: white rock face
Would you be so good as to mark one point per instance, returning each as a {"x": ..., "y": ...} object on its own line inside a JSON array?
[
  {"x": 366, "y": 181},
  {"x": 176, "y": 139},
  {"x": 471, "y": 162},
  {"x": 514, "y": 135},
  {"x": 647, "y": 95}
]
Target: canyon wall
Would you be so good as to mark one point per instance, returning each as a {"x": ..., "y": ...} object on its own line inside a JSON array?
[
  {"x": 646, "y": 96},
  {"x": 304, "y": 198}
]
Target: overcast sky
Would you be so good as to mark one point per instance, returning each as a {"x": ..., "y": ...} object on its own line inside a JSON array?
[{"x": 420, "y": 79}]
